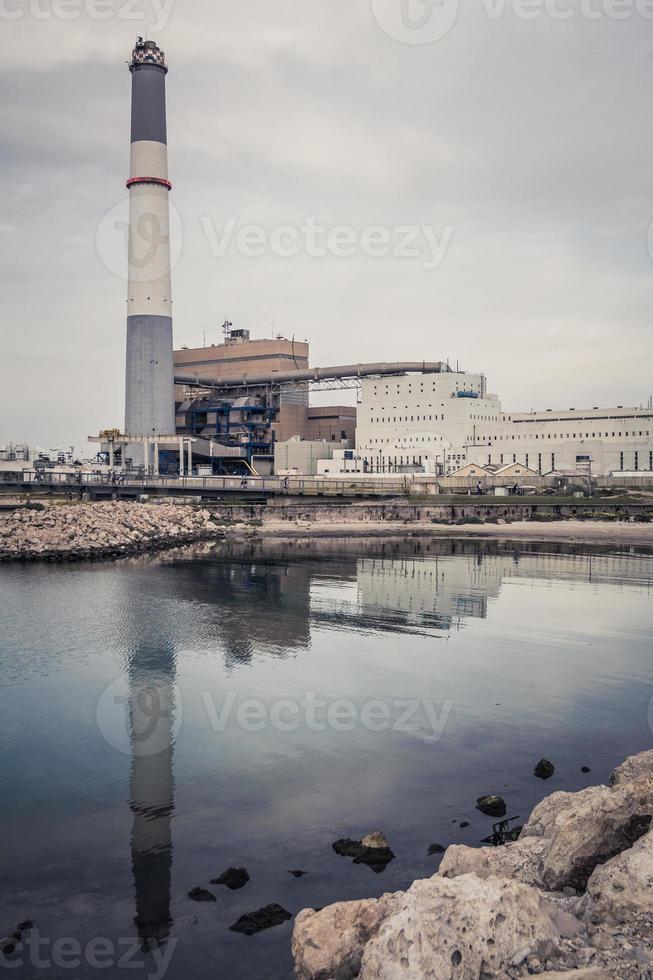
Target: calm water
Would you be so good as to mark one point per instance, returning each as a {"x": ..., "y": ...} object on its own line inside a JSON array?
[{"x": 389, "y": 686}]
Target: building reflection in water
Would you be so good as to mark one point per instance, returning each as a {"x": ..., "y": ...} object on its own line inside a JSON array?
[
  {"x": 273, "y": 591},
  {"x": 242, "y": 598}
]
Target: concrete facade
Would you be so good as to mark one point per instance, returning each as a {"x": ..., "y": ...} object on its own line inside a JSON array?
[
  {"x": 239, "y": 356},
  {"x": 438, "y": 423},
  {"x": 301, "y": 456},
  {"x": 333, "y": 423}
]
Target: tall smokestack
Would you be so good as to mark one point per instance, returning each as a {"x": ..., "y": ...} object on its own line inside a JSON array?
[{"x": 149, "y": 397}]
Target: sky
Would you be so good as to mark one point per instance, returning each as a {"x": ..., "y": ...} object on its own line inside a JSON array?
[{"x": 390, "y": 179}]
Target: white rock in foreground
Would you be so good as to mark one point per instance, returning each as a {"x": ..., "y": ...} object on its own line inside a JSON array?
[
  {"x": 328, "y": 945},
  {"x": 464, "y": 929}
]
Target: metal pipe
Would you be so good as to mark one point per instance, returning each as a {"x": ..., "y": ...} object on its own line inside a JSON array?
[{"x": 316, "y": 374}]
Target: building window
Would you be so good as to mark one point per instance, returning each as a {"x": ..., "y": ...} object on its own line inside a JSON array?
[
  {"x": 636, "y": 462},
  {"x": 621, "y": 461}
]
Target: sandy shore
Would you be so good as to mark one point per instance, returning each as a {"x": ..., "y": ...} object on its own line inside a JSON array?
[{"x": 577, "y": 532}]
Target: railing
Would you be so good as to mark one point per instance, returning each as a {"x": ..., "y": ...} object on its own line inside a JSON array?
[{"x": 292, "y": 486}]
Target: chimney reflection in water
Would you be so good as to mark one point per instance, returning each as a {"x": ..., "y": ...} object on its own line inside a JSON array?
[{"x": 151, "y": 719}]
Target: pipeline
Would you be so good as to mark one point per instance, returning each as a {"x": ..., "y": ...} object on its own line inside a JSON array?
[{"x": 316, "y": 374}]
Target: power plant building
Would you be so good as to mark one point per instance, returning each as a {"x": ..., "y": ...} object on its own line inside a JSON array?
[
  {"x": 438, "y": 423},
  {"x": 229, "y": 406}
]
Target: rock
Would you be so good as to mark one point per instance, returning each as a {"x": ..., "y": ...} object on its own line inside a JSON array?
[
  {"x": 585, "y": 829},
  {"x": 233, "y": 878},
  {"x": 298, "y": 874},
  {"x": 462, "y": 929},
  {"x": 463, "y": 824},
  {"x": 376, "y": 840},
  {"x": 265, "y": 918},
  {"x": 201, "y": 895},
  {"x": 544, "y": 769},
  {"x": 436, "y": 849},
  {"x": 522, "y": 861},
  {"x": 99, "y": 530},
  {"x": 376, "y": 858},
  {"x": 636, "y": 767},
  {"x": 622, "y": 888},
  {"x": 491, "y": 806},
  {"x": 328, "y": 945}
]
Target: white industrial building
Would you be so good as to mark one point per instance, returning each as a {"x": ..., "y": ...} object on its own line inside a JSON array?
[{"x": 436, "y": 423}]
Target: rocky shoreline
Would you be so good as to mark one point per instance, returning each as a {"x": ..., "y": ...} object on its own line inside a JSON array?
[
  {"x": 67, "y": 531},
  {"x": 571, "y": 897},
  {"x": 90, "y": 532}
]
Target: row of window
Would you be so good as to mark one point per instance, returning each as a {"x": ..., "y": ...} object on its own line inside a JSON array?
[{"x": 571, "y": 435}]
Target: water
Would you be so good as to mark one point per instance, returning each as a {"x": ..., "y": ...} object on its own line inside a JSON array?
[{"x": 132, "y": 770}]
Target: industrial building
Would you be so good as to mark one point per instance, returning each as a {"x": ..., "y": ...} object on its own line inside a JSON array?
[
  {"x": 245, "y": 411},
  {"x": 243, "y": 405},
  {"x": 437, "y": 423}
]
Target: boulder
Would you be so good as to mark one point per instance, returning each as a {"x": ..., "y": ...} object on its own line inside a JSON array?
[
  {"x": 491, "y": 806},
  {"x": 544, "y": 769},
  {"x": 622, "y": 888},
  {"x": 376, "y": 854},
  {"x": 328, "y": 945},
  {"x": 458, "y": 929},
  {"x": 376, "y": 840},
  {"x": 252, "y": 922},
  {"x": 634, "y": 768},
  {"x": 522, "y": 860},
  {"x": 233, "y": 878},
  {"x": 585, "y": 829}
]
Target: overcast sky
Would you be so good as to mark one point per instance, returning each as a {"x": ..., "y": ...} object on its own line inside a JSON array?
[{"x": 522, "y": 144}]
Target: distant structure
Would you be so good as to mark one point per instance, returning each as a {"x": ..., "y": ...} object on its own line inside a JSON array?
[{"x": 149, "y": 395}]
